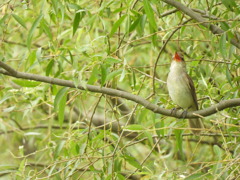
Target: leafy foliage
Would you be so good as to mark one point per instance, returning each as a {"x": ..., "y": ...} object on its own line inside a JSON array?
[{"x": 47, "y": 131}]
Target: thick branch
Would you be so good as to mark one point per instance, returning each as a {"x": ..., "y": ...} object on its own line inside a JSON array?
[
  {"x": 117, "y": 93},
  {"x": 214, "y": 29}
]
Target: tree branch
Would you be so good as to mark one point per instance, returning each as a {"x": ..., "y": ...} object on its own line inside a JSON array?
[
  {"x": 117, "y": 93},
  {"x": 214, "y": 29}
]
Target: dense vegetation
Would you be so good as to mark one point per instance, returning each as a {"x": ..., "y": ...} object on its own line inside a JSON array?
[{"x": 49, "y": 131}]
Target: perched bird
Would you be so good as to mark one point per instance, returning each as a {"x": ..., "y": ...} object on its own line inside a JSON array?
[{"x": 182, "y": 91}]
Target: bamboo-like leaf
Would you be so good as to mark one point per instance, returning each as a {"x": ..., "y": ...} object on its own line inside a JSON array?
[
  {"x": 103, "y": 74},
  {"x": 229, "y": 76},
  {"x": 111, "y": 60},
  {"x": 3, "y": 19},
  {"x": 113, "y": 74},
  {"x": 116, "y": 25},
  {"x": 46, "y": 29},
  {"x": 76, "y": 22},
  {"x": 77, "y": 19},
  {"x": 217, "y": 151},
  {"x": 31, "y": 31},
  {"x": 134, "y": 24},
  {"x": 229, "y": 4},
  {"x": 25, "y": 83},
  {"x": 222, "y": 45},
  {"x": 178, "y": 134},
  {"x": 19, "y": 20},
  {"x": 134, "y": 127},
  {"x": 60, "y": 103},
  {"x": 94, "y": 75},
  {"x": 150, "y": 15},
  {"x": 131, "y": 160},
  {"x": 195, "y": 176},
  {"x": 49, "y": 67}
]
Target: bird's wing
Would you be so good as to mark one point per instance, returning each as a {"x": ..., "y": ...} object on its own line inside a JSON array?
[{"x": 192, "y": 90}]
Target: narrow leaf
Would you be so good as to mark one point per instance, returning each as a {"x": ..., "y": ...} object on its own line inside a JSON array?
[
  {"x": 59, "y": 96},
  {"x": 61, "y": 109},
  {"x": 46, "y": 29},
  {"x": 116, "y": 25},
  {"x": 150, "y": 15},
  {"x": 60, "y": 103},
  {"x": 222, "y": 45},
  {"x": 25, "y": 83},
  {"x": 113, "y": 74},
  {"x": 19, "y": 20},
  {"x": 134, "y": 127},
  {"x": 76, "y": 22},
  {"x": 77, "y": 19},
  {"x": 49, "y": 67},
  {"x": 94, "y": 76},
  {"x": 103, "y": 74},
  {"x": 178, "y": 134},
  {"x": 131, "y": 160},
  {"x": 34, "y": 26},
  {"x": 111, "y": 60}
]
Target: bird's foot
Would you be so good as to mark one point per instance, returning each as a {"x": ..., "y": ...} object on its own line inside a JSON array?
[
  {"x": 174, "y": 110},
  {"x": 184, "y": 114}
]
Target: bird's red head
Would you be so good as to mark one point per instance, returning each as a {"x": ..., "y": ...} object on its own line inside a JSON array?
[{"x": 178, "y": 57}]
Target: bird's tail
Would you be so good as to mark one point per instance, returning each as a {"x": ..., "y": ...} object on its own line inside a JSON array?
[{"x": 195, "y": 123}]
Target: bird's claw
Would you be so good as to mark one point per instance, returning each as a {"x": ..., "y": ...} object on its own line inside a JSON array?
[
  {"x": 184, "y": 114},
  {"x": 173, "y": 111}
]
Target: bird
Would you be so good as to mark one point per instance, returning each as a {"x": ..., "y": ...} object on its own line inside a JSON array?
[{"x": 182, "y": 91}]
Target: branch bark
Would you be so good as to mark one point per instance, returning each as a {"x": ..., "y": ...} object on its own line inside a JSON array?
[
  {"x": 9, "y": 71},
  {"x": 214, "y": 29}
]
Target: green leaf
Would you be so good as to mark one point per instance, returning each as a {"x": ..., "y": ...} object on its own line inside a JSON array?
[
  {"x": 150, "y": 15},
  {"x": 134, "y": 127},
  {"x": 94, "y": 75},
  {"x": 134, "y": 24},
  {"x": 111, "y": 60},
  {"x": 217, "y": 150},
  {"x": 116, "y": 25},
  {"x": 46, "y": 29},
  {"x": 195, "y": 176},
  {"x": 58, "y": 149},
  {"x": 31, "y": 31},
  {"x": 103, "y": 74},
  {"x": 60, "y": 103},
  {"x": 31, "y": 59},
  {"x": 49, "y": 67},
  {"x": 71, "y": 56},
  {"x": 229, "y": 76},
  {"x": 224, "y": 26},
  {"x": 149, "y": 136},
  {"x": 19, "y": 20},
  {"x": 25, "y": 83},
  {"x": 61, "y": 109},
  {"x": 229, "y": 4},
  {"x": 131, "y": 160},
  {"x": 77, "y": 19},
  {"x": 124, "y": 70},
  {"x": 133, "y": 79},
  {"x": 39, "y": 54},
  {"x": 222, "y": 45},
  {"x": 120, "y": 177},
  {"x": 159, "y": 125},
  {"x": 113, "y": 74},
  {"x": 76, "y": 22},
  {"x": 3, "y": 19},
  {"x": 141, "y": 26},
  {"x": 178, "y": 134}
]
